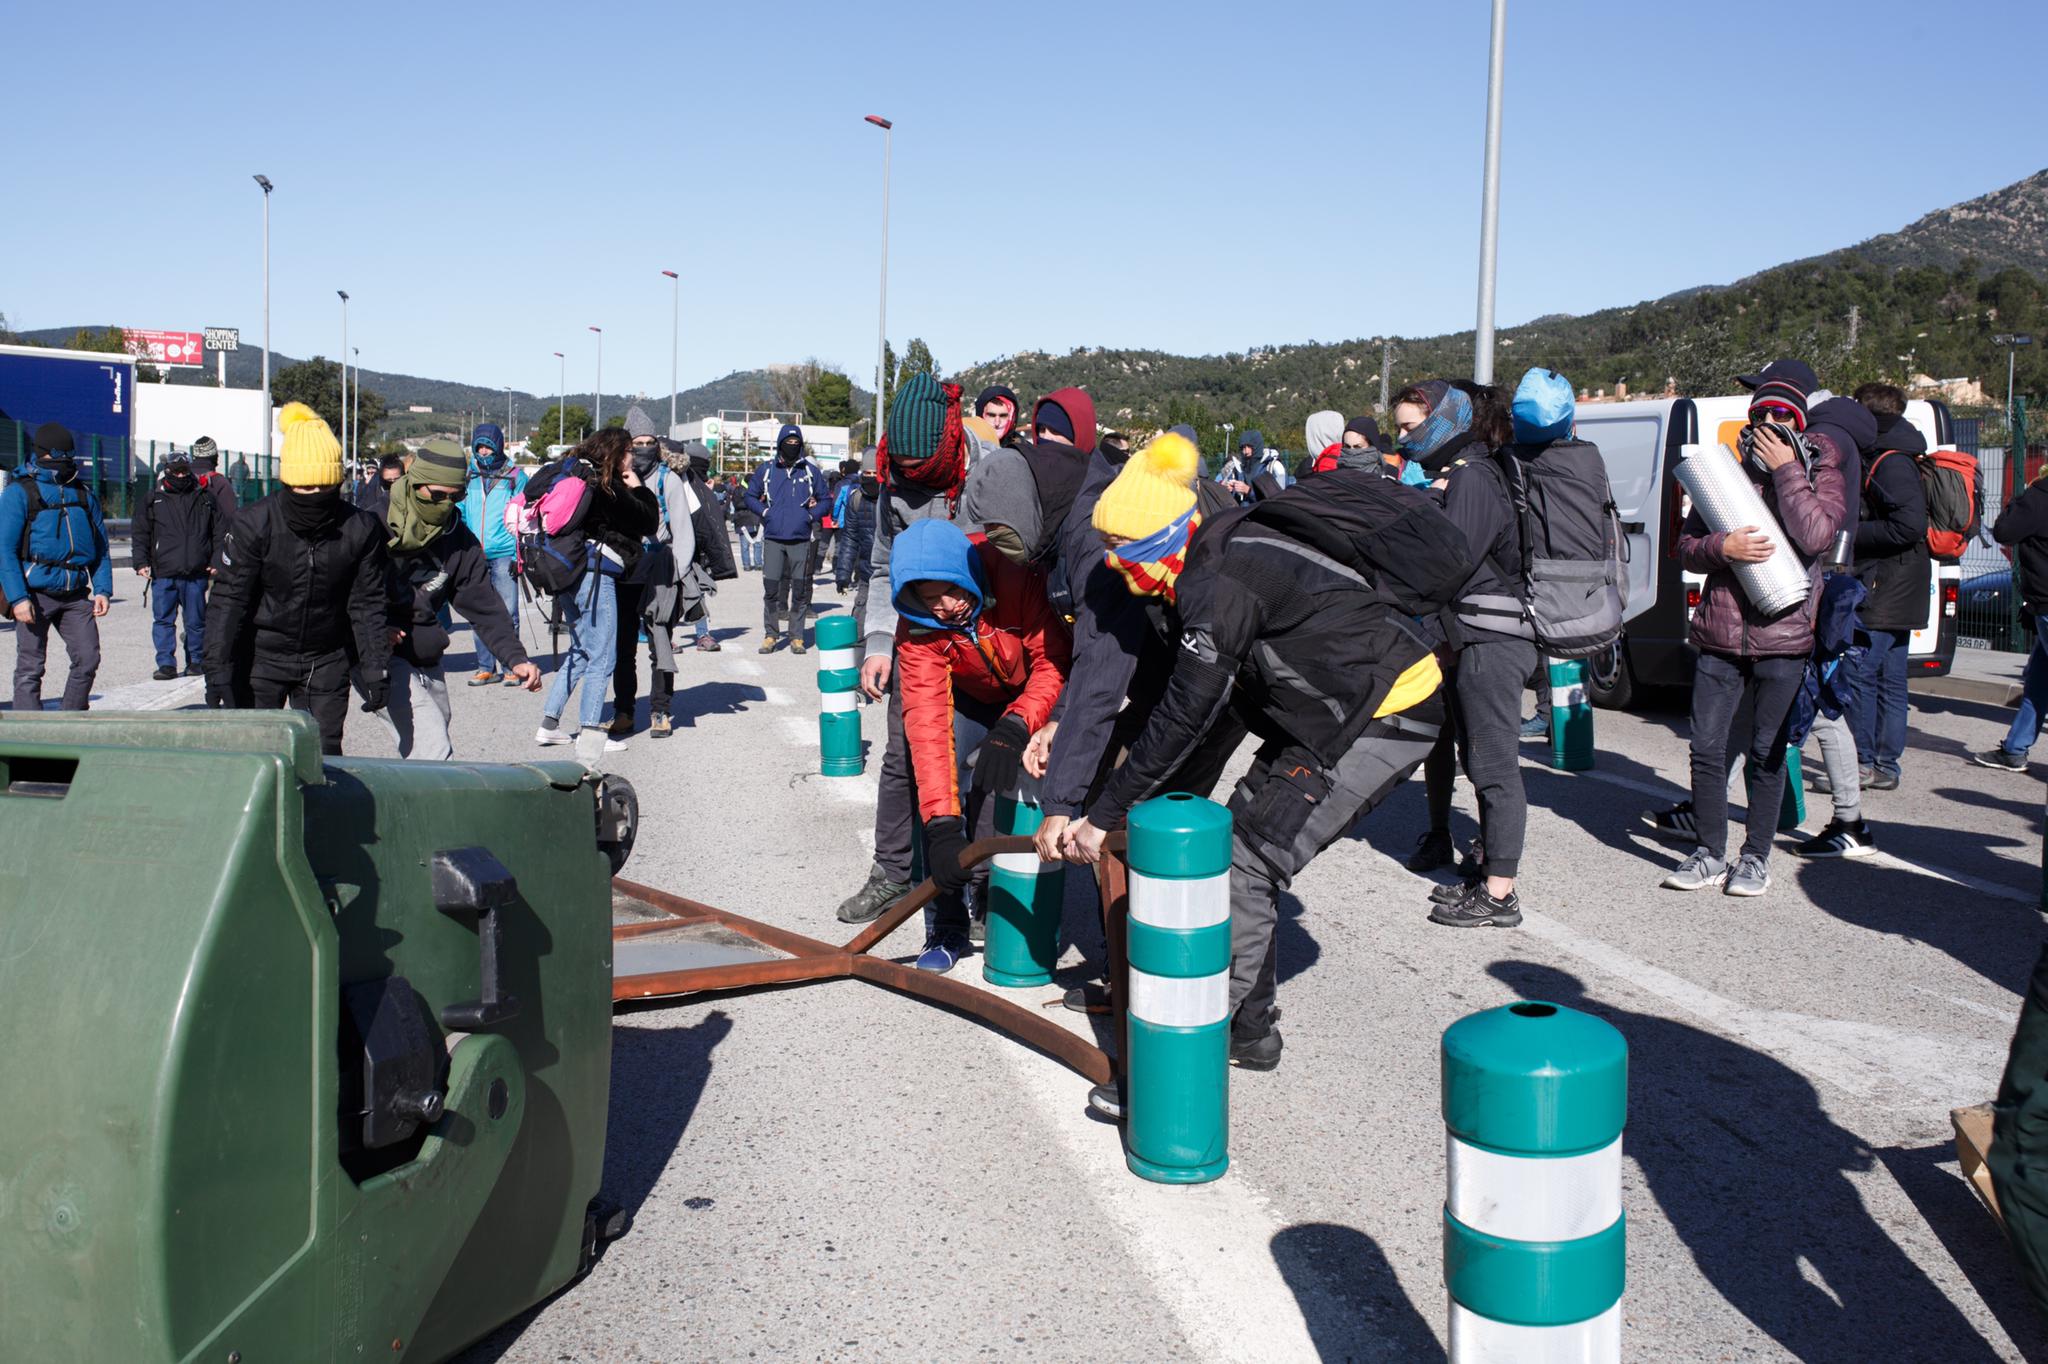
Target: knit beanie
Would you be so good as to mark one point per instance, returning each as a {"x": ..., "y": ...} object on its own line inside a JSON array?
[
  {"x": 53, "y": 438},
  {"x": 440, "y": 463},
  {"x": 1155, "y": 488},
  {"x": 1052, "y": 417},
  {"x": 1790, "y": 383},
  {"x": 639, "y": 424},
  {"x": 204, "y": 448},
  {"x": 1543, "y": 409},
  {"x": 991, "y": 394},
  {"x": 1370, "y": 431},
  {"x": 311, "y": 457},
  {"x": 917, "y": 418}
]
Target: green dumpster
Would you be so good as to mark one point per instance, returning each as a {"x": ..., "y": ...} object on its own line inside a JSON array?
[{"x": 306, "y": 1061}]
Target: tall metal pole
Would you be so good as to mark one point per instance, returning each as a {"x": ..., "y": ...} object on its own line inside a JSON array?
[
  {"x": 344, "y": 368},
  {"x": 357, "y": 416},
  {"x": 1489, "y": 213},
  {"x": 264, "y": 181},
  {"x": 562, "y": 403},
  {"x": 597, "y": 398},
  {"x": 882, "y": 313},
  {"x": 675, "y": 334}
]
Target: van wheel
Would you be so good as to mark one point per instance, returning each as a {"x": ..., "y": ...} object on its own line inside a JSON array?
[{"x": 1609, "y": 682}]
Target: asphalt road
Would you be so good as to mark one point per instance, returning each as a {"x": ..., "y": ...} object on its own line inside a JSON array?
[{"x": 834, "y": 1172}]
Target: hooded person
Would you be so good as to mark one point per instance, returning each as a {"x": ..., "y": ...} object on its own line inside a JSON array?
[
  {"x": 1062, "y": 438},
  {"x": 172, "y": 535},
  {"x": 788, "y": 493},
  {"x": 981, "y": 660},
  {"x": 1242, "y": 463},
  {"x": 494, "y": 480},
  {"x": 55, "y": 571},
  {"x": 1000, "y": 497},
  {"x": 435, "y": 561},
  {"x": 1308, "y": 616},
  {"x": 298, "y": 598},
  {"x": 920, "y": 475},
  {"x": 1325, "y": 434},
  {"x": 1360, "y": 446}
]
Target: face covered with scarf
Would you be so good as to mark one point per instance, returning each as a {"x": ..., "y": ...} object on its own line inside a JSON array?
[
  {"x": 1151, "y": 567},
  {"x": 1450, "y": 416},
  {"x": 427, "y": 497}
]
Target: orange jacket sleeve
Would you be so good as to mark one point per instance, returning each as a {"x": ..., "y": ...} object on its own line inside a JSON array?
[
  {"x": 1049, "y": 649},
  {"x": 924, "y": 681}
]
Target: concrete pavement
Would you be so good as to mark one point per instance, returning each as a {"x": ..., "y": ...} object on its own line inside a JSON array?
[{"x": 834, "y": 1172}]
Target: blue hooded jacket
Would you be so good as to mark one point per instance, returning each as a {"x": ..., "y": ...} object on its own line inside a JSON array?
[
  {"x": 777, "y": 494},
  {"x": 489, "y": 492},
  {"x": 68, "y": 532},
  {"x": 934, "y": 550}
]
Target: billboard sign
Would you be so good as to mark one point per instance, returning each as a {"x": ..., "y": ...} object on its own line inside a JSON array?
[
  {"x": 223, "y": 338},
  {"x": 178, "y": 350}
]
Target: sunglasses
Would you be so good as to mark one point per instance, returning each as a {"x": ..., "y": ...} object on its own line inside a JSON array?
[
  {"x": 1775, "y": 412},
  {"x": 437, "y": 495}
]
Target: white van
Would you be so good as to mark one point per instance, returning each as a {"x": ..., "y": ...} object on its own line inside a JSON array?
[{"x": 1642, "y": 443}]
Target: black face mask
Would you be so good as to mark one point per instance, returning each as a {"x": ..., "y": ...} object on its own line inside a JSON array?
[
  {"x": 179, "y": 479},
  {"x": 870, "y": 485},
  {"x": 313, "y": 516},
  {"x": 64, "y": 469},
  {"x": 788, "y": 455},
  {"x": 644, "y": 461}
]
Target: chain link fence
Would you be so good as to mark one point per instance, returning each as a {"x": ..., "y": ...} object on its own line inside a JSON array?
[
  {"x": 120, "y": 472},
  {"x": 1988, "y": 603}
]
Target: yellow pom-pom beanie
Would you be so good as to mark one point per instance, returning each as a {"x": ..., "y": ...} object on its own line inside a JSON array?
[
  {"x": 311, "y": 457},
  {"x": 1156, "y": 487}
]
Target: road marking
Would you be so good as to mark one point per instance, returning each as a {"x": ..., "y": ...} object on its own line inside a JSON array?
[
  {"x": 803, "y": 733},
  {"x": 775, "y": 696},
  {"x": 1204, "y": 1246},
  {"x": 1995, "y": 889},
  {"x": 744, "y": 667},
  {"x": 151, "y": 695}
]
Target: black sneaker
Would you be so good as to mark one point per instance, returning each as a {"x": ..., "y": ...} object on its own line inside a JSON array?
[
  {"x": 1434, "y": 849},
  {"x": 163, "y": 674},
  {"x": 1455, "y": 890},
  {"x": 868, "y": 903},
  {"x": 2000, "y": 759},
  {"x": 194, "y": 670},
  {"x": 1880, "y": 781},
  {"x": 1678, "y": 822},
  {"x": 1840, "y": 840},
  {"x": 1257, "y": 1052},
  {"x": 1477, "y": 909},
  {"x": 1089, "y": 998}
]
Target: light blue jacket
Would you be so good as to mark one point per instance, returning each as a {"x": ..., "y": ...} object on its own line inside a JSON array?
[{"x": 483, "y": 507}]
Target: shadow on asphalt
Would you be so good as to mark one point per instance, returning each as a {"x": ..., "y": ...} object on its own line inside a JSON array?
[
  {"x": 658, "y": 1075},
  {"x": 1993, "y": 936},
  {"x": 1754, "y": 1178},
  {"x": 2024, "y": 802},
  {"x": 693, "y": 703},
  {"x": 1972, "y": 1239},
  {"x": 1349, "y": 1298}
]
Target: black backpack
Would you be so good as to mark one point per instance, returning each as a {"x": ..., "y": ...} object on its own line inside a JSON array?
[{"x": 1394, "y": 535}]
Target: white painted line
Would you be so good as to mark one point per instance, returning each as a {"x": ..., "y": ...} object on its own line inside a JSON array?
[
  {"x": 801, "y": 732},
  {"x": 1995, "y": 889},
  {"x": 1203, "y": 1246},
  {"x": 742, "y": 667},
  {"x": 775, "y": 696},
  {"x": 151, "y": 695},
  {"x": 1855, "y": 1057},
  {"x": 863, "y": 790}
]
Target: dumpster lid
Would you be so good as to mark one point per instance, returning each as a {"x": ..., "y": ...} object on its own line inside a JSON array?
[{"x": 289, "y": 734}]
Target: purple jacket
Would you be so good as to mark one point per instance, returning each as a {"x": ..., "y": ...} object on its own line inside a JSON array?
[{"x": 1811, "y": 514}]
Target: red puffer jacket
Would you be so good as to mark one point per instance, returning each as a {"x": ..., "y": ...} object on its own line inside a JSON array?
[
  {"x": 1016, "y": 657},
  {"x": 1811, "y": 514}
]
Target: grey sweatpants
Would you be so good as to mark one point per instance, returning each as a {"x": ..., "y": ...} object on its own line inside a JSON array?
[
  {"x": 1838, "y": 759},
  {"x": 1488, "y": 695},
  {"x": 1270, "y": 843},
  {"x": 418, "y": 713},
  {"x": 73, "y": 621}
]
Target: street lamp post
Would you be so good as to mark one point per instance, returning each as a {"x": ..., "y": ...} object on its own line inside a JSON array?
[
  {"x": 562, "y": 402},
  {"x": 675, "y": 332},
  {"x": 2012, "y": 341},
  {"x": 597, "y": 398},
  {"x": 264, "y": 181},
  {"x": 356, "y": 417},
  {"x": 882, "y": 316},
  {"x": 344, "y": 367},
  {"x": 509, "y": 423},
  {"x": 1489, "y": 213}
]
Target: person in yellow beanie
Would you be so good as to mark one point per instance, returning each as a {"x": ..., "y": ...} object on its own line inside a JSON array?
[
  {"x": 298, "y": 591},
  {"x": 1311, "y": 616}
]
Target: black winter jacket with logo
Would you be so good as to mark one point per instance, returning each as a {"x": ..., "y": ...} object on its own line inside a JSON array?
[{"x": 294, "y": 601}]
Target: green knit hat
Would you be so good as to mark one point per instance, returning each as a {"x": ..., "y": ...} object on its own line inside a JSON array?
[
  {"x": 440, "y": 463},
  {"x": 917, "y": 418}
]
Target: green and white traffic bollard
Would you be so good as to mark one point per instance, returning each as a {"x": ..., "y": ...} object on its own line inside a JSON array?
[
  {"x": 1534, "y": 1098},
  {"x": 839, "y": 696},
  {"x": 1177, "y": 1051},
  {"x": 1792, "y": 801},
  {"x": 1571, "y": 716},
  {"x": 1025, "y": 900}
]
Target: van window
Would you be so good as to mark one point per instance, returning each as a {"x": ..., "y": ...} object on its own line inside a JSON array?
[{"x": 1631, "y": 448}]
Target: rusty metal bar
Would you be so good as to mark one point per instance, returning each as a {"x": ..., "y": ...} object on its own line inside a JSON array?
[
  {"x": 781, "y": 939},
  {"x": 641, "y": 929},
  {"x": 1032, "y": 1028},
  {"x": 733, "y": 976}
]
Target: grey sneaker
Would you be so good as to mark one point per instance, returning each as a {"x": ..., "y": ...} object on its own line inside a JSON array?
[
  {"x": 1749, "y": 877},
  {"x": 1697, "y": 872},
  {"x": 867, "y": 903},
  {"x": 2000, "y": 759}
]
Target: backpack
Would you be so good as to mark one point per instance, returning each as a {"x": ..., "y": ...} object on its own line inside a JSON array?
[
  {"x": 1395, "y": 536},
  {"x": 32, "y": 489},
  {"x": 1949, "y": 479},
  {"x": 547, "y": 520},
  {"x": 714, "y": 550},
  {"x": 1573, "y": 589}
]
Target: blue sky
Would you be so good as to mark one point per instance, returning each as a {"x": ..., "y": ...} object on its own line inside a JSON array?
[{"x": 488, "y": 181}]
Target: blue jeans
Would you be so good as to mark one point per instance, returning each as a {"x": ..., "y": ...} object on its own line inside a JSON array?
[
  {"x": 591, "y": 615},
  {"x": 508, "y": 593},
  {"x": 167, "y": 596},
  {"x": 2026, "y": 722},
  {"x": 1879, "y": 718},
  {"x": 750, "y": 547}
]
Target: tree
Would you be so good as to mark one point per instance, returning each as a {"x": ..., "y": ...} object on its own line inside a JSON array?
[
  {"x": 317, "y": 384},
  {"x": 829, "y": 399},
  {"x": 917, "y": 359},
  {"x": 112, "y": 341},
  {"x": 573, "y": 423}
]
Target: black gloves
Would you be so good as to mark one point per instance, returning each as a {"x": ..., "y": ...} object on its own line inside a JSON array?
[
  {"x": 944, "y": 841},
  {"x": 376, "y": 692},
  {"x": 219, "y": 695},
  {"x": 999, "y": 764}
]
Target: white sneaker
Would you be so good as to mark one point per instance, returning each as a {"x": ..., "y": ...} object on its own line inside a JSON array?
[
  {"x": 550, "y": 738},
  {"x": 612, "y": 745}
]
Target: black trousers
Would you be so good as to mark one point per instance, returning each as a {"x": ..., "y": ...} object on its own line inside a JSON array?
[
  {"x": 320, "y": 687},
  {"x": 626, "y": 667}
]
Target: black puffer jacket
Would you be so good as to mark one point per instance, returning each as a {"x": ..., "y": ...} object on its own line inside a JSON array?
[
  {"x": 293, "y": 601},
  {"x": 174, "y": 530},
  {"x": 1892, "y": 557},
  {"x": 450, "y": 571},
  {"x": 2023, "y": 528}
]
